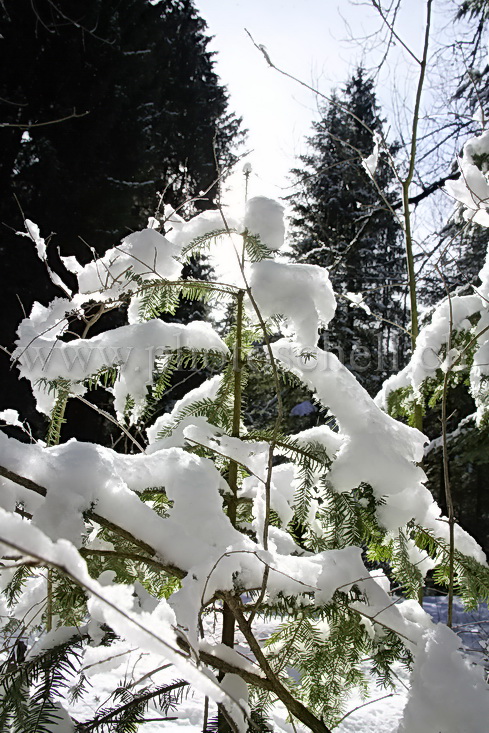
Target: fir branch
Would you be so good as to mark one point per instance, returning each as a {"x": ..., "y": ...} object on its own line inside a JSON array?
[
  {"x": 201, "y": 243},
  {"x": 132, "y": 712}
]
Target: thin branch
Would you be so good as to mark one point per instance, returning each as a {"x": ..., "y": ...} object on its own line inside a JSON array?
[
  {"x": 30, "y": 125},
  {"x": 112, "y": 419},
  {"x": 363, "y": 705},
  {"x": 393, "y": 32},
  {"x": 427, "y": 191},
  {"x": 84, "y": 551},
  {"x": 418, "y": 415},
  {"x": 335, "y": 102}
]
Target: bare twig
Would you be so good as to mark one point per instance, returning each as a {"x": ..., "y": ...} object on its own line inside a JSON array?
[
  {"x": 418, "y": 415},
  {"x": 109, "y": 417},
  {"x": 30, "y": 125}
]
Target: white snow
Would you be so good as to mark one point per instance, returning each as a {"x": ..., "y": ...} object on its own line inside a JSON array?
[
  {"x": 439, "y": 669},
  {"x": 34, "y": 233},
  {"x": 10, "y": 417},
  {"x": 371, "y": 162},
  {"x": 356, "y": 300},
  {"x": 377, "y": 449},
  {"x": 302, "y": 294},
  {"x": 472, "y": 188},
  {"x": 146, "y": 253},
  {"x": 175, "y": 421},
  {"x": 426, "y": 359},
  {"x": 450, "y": 317},
  {"x": 133, "y": 348},
  {"x": 264, "y": 217}
]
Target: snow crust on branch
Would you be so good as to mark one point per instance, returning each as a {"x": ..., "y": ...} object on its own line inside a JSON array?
[
  {"x": 133, "y": 348},
  {"x": 146, "y": 253},
  {"x": 426, "y": 358},
  {"x": 302, "y": 294},
  {"x": 472, "y": 188},
  {"x": 371, "y": 162},
  {"x": 376, "y": 449}
]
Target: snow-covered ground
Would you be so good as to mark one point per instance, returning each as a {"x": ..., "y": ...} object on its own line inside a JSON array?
[{"x": 378, "y": 714}]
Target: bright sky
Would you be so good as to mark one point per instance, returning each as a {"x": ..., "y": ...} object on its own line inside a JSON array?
[{"x": 310, "y": 39}]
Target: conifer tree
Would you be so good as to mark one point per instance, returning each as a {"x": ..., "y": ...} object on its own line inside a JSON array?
[
  {"x": 208, "y": 525},
  {"x": 108, "y": 103},
  {"x": 341, "y": 222}
]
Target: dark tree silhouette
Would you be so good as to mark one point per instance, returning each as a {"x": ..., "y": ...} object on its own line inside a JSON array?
[{"x": 103, "y": 105}]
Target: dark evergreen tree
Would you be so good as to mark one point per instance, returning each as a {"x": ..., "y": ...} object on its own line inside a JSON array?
[
  {"x": 340, "y": 221},
  {"x": 460, "y": 255},
  {"x": 150, "y": 108},
  {"x": 103, "y": 104}
]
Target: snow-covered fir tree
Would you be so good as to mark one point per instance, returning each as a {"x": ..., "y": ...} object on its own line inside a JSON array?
[
  {"x": 342, "y": 220},
  {"x": 153, "y": 561}
]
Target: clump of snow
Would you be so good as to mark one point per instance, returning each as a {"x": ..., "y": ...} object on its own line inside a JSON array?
[
  {"x": 322, "y": 434},
  {"x": 451, "y": 316},
  {"x": 302, "y": 294},
  {"x": 472, "y": 188},
  {"x": 146, "y": 253},
  {"x": 133, "y": 348},
  {"x": 419, "y": 558},
  {"x": 238, "y": 691},
  {"x": 264, "y": 217},
  {"x": 175, "y": 422},
  {"x": 282, "y": 490},
  {"x": 53, "y": 638},
  {"x": 34, "y": 233},
  {"x": 205, "y": 223},
  {"x": 426, "y": 359},
  {"x": 224, "y": 250},
  {"x": 372, "y": 161},
  {"x": 356, "y": 299},
  {"x": 72, "y": 264},
  {"x": 439, "y": 671},
  {"x": 11, "y": 417},
  {"x": 376, "y": 449}
]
